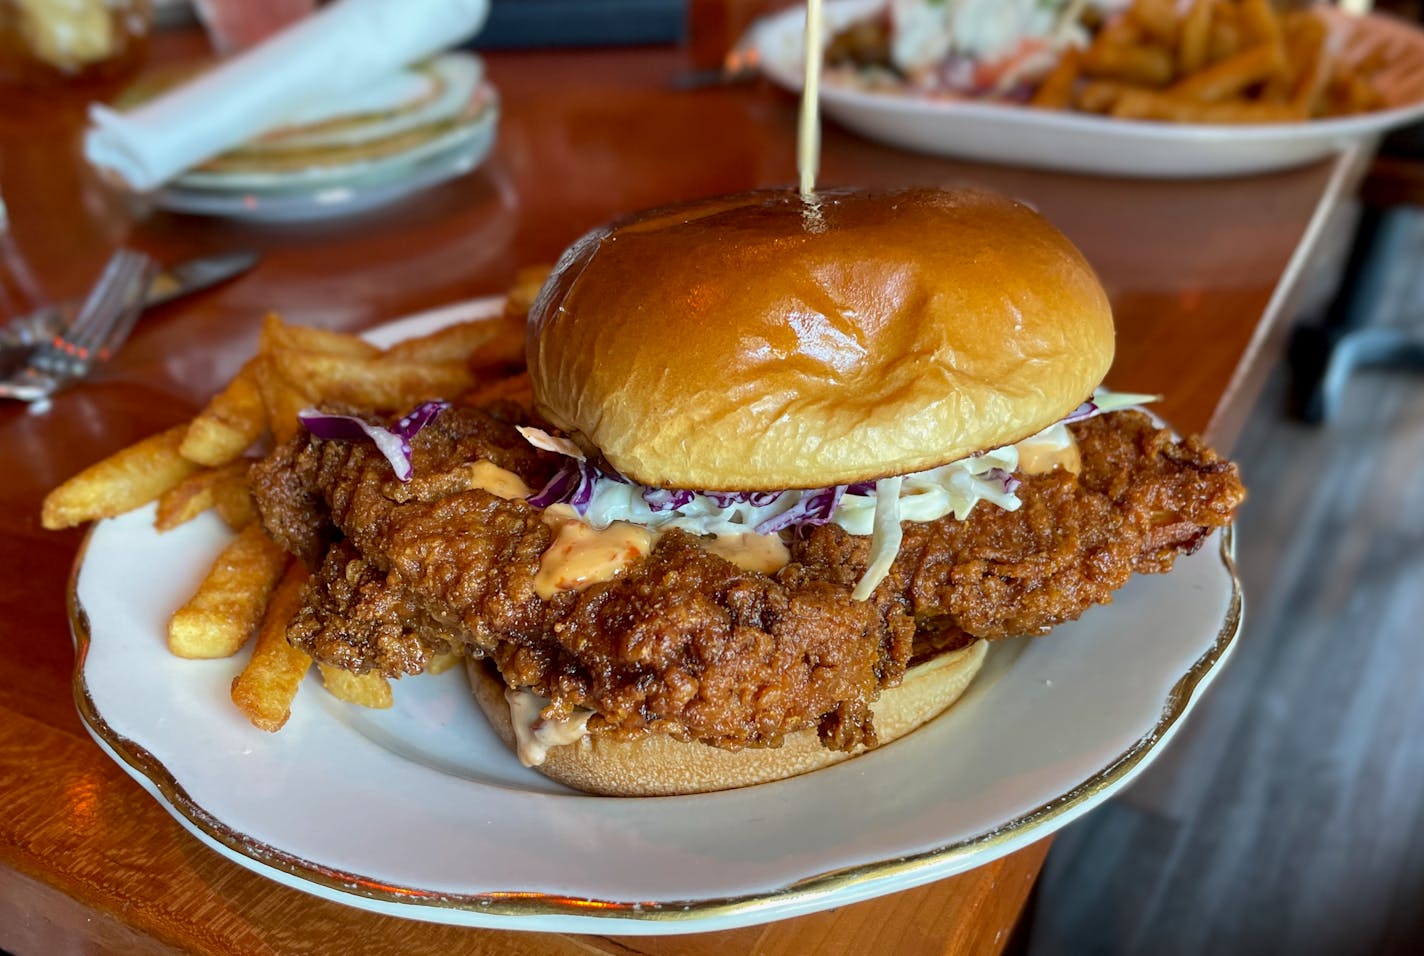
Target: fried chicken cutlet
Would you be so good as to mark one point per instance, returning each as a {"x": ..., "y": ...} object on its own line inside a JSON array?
[{"x": 684, "y": 642}]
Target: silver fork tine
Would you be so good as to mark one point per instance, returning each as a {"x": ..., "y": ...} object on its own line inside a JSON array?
[
  {"x": 103, "y": 323},
  {"x": 119, "y": 290},
  {"x": 127, "y": 314},
  {"x": 94, "y": 309},
  {"x": 101, "y": 309},
  {"x": 130, "y": 294}
]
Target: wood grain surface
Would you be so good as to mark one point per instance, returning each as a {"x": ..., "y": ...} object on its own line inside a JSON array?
[{"x": 90, "y": 861}]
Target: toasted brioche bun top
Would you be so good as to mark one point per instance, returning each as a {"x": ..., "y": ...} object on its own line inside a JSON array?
[{"x": 754, "y": 342}]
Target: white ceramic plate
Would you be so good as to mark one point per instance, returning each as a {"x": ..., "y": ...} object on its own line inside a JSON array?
[
  {"x": 1009, "y": 133},
  {"x": 446, "y": 84},
  {"x": 355, "y": 188},
  {"x": 453, "y": 156},
  {"x": 420, "y": 812},
  {"x": 451, "y": 99}
]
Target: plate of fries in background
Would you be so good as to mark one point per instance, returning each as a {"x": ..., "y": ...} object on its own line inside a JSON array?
[
  {"x": 1162, "y": 90},
  {"x": 398, "y": 797}
]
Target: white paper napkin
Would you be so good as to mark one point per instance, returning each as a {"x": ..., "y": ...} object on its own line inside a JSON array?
[{"x": 326, "y": 57}]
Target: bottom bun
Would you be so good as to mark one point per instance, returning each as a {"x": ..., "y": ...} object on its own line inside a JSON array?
[{"x": 658, "y": 765}]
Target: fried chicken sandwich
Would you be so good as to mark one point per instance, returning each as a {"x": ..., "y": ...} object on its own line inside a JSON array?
[{"x": 790, "y": 465}]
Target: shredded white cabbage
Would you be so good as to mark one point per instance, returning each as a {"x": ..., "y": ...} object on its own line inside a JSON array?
[
  {"x": 928, "y": 34},
  {"x": 620, "y": 501},
  {"x": 886, "y": 538},
  {"x": 1107, "y": 401},
  {"x": 544, "y": 441},
  {"x": 954, "y": 489}
]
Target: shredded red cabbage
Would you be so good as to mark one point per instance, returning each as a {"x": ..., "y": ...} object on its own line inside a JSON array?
[
  {"x": 1005, "y": 478},
  {"x": 757, "y": 499},
  {"x": 393, "y": 442},
  {"x": 576, "y": 480},
  {"x": 1084, "y": 411},
  {"x": 572, "y": 484},
  {"x": 814, "y": 507},
  {"x": 577, "y": 483},
  {"x": 667, "y": 499},
  {"x": 418, "y": 417}
]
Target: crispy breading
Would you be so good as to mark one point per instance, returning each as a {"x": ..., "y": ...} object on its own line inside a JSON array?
[
  {"x": 684, "y": 642},
  {"x": 1142, "y": 499}
]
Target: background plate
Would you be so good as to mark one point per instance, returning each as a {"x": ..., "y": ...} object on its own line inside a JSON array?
[
  {"x": 1009, "y": 133},
  {"x": 419, "y": 811},
  {"x": 368, "y": 186}
]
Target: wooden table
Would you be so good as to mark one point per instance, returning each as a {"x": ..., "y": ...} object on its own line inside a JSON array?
[{"x": 1199, "y": 274}]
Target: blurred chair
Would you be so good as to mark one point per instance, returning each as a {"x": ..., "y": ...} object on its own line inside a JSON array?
[{"x": 1324, "y": 355}]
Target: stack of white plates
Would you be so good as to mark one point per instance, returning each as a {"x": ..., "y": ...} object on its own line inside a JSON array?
[{"x": 430, "y": 123}]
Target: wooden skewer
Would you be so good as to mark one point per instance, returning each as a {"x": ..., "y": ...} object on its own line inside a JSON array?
[{"x": 808, "y": 140}]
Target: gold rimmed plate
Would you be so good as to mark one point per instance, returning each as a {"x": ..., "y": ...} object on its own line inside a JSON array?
[{"x": 419, "y": 811}]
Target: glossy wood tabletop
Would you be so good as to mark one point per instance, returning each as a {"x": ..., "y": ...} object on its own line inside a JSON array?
[{"x": 88, "y": 860}]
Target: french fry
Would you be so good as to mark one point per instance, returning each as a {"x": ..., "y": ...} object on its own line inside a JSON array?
[
  {"x": 1227, "y": 36},
  {"x": 229, "y": 424},
  {"x": 1056, "y": 90},
  {"x": 199, "y": 492},
  {"x": 1230, "y": 77},
  {"x": 268, "y": 684},
  {"x": 1138, "y": 64},
  {"x": 527, "y": 283},
  {"x": 1309, "y": 66},
  {"x": 1351, "y": 93},
  {"x": 385, "y": 383},
  {"x": 512, "y": 388},
  {"x": 222, "y": 614},
  {"x": 277, "y": 334},
  {"x": 1156, "y": 19},
  {"x": 1168, "y": 106},
  {"x": 130, "y": 477},
  {"x": 451, "y": 344},
  {"x": 1118, "y": 31},
  {"x": 366, "y": 690},
  {"x": 233, "y": 503},
  {"x": 1099, "y": 96},
  {"x": 281, "y": 400},
  {"x": 1193, "y": 41},
  {"x": 411, "y": 382},
  {"x": 440, "y": 663},
  {"x": 502, "y": 354},
  {"x": 1260, "y": 23},
  {"x": 1211, "y": 61}
]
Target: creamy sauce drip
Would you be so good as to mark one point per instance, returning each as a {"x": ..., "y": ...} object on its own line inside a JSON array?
[
  {"x": 763, "y": 553},
  {"x": 582, "y": 555},
  {"x": 487, "y": 476},
  {"x": 1051, "y": 448},
  {"x": 533, "y": 735}
]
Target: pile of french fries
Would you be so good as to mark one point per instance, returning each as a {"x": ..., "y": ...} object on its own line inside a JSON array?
[
  {"x": 254, "y": 587},
  {"x": 1211, "y": 61}
]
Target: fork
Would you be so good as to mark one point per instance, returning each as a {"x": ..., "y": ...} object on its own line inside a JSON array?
[{"x": 101, "y": 325}]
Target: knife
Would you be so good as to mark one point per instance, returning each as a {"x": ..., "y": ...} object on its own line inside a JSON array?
[
  {"x": 195, "y": 275},
  {"x": 171, "y": 282}
]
